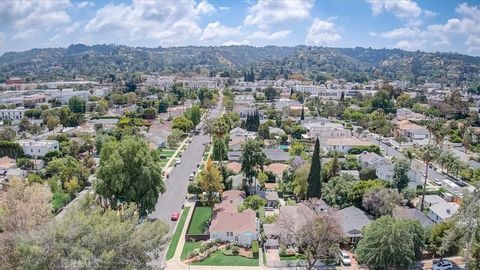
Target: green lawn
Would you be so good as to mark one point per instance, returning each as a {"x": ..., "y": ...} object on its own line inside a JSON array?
[
  {"x": 178, "y": 233},
  {"x": 200, "y": 217},
  {"x": 218, "y": 259},
  {"x": 187, "y": 248}
]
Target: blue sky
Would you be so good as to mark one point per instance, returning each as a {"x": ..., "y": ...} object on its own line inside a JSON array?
[{"x": 434, "y": 25}]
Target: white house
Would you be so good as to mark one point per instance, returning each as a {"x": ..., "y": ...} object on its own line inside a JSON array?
[
  {"x": 323, "y": 131},
  {"x": 412, "y": 130},
  {"x": 344, "y": 144},
  {"x": 229, "y": 225},
  {"x": 371, "y": 159},
  {"x": 38, "y": 148},
  {"x": 12, "y": 114},
  {"x": 440, "y": 212}
]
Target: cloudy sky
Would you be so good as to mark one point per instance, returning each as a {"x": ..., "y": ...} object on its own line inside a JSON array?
[{"x": 433, "y": 25}]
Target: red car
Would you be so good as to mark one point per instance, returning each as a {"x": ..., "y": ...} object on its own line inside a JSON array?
[{"x": 175, "y": 216}]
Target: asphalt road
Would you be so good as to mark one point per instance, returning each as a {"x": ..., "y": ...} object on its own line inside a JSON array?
[
  {"x": 177, "y": 183},
  {"x": 417, "y": 165}
]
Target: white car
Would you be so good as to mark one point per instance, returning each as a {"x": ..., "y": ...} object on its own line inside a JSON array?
[
  {"x": 437, "y": 182},
  {"x": 178, "y": 161},
  {"x": 192, "y": 177},
  {"x": 345, "y": 258},
  {"x": 442, "y": 265}
]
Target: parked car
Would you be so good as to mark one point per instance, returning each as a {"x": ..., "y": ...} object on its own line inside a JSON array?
[
  {"x": 192, "y": 177},
  {"x": 175, "y": 216},
  {"x": 442, "y": 265},
  {"x": 345, "y": 258},
  {"x": 178, "y": 161},
  {"x": 437, "y": 182}
]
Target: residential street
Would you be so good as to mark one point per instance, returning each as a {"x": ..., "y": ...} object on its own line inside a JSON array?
[{"x": 177, "y": 183}]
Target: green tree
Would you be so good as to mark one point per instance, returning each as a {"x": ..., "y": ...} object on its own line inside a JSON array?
[
  {"x": 220, "y": 148},
  {"x": 163, "y": 106},
  {"x": 390, "y": 243},
  {"x": 428, "y": 154},
  {"x": 194, "y": 114},
  {"x": 264, "y": 131},
  {"x": 253, "y": 158},
  {"x": 182, "y": 123},
  {"x": 336, "y": 192},
  {"x": 368, "y": 173},
  {"x": 297, "y": 149},
  {"x": 149, "y": 113},
  {"x": 94, "y": 238},
  {"x": 77, "y": 104},
  {"x": 52, "y": 122},
  {"x": 210, "y": 181},
  {"x": 400, "y": 174},
  {"x": 315, "y": 176},
  {"x": 24, "y": 124},
  {"x": 381, "y": 201},
  {"x": 174, "y": 138},
  {"x": 300, "y": 180},
  {"x": 130, "y": 172},
  {"x": 253, "y": 202},
  {"x": 437, "y": 239},
  {"x": 332, "y": 168},
  {"x": 194, "y": 188},
  {"x": 382, "y": 100},
  {"x": 7, "y": 134},
  {"x": 360, "y": 188}
]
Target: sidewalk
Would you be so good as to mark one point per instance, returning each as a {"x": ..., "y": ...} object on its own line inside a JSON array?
[{"x": 172, "y": 158}]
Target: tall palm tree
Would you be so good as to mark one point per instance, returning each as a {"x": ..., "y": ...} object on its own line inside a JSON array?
[{"x": 428, "y": 154}]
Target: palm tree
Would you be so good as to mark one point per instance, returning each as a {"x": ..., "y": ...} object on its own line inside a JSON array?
[
  {"x": 428, "y": 154},
  {"x": 409, "y": 155}
]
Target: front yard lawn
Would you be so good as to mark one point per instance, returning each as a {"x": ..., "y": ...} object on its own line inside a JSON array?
[
  {"x": 200, "y": 218},
  {"x": 178, "y": 233},
  {"x": 187, "y": 248},
  {"x": 219, "y": 259}
]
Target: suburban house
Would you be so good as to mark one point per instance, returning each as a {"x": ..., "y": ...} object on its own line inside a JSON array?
[
  {"x": 229, "y": 225},
  {"x": 432, "y": 200},
  {"x": 352, "y": 221},
  {"x": 235, "y": 167},
  {"x": 272, "y": 198},
  {"x": 344, "y": 144},
  {"x": 235, "y": 144},
  {"x": 294, "y": 217},
  {"x": 38, "y": 148},
  {"x": 276, "y": 155},
  {"x": 323, "y": 131},
  {"x": 371, "y": 159},
  {"x": 411, "y": 130},
  {"x": 385, "y": 171},
  {"x": 413, "y": 214},
  {"x": 239, "y": 133},
  {"x": 440, "y": 212},
  {"x": 407, "y": 114},
  {"x": 277, "y": 169}
]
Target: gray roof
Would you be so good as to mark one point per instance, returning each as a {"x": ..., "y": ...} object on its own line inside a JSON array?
[
  {"x": 412, "y": 213},
  {"x": 276, "y": 155},
  {"x": 444, "y": 210},
  {"x": 433, "y": 199},
  {"x": 271, "y": 196},
  {"x": 275, "y": 130},
  {"x": 370, "y": 157},
  {"x": 352, "y": 220},
  {"x": 234, "y": 155}
]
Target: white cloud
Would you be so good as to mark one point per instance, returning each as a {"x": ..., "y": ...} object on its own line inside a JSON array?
[
  {"x": 216, "y": 30},
  {"x": 25, "y": 35},
  {"x": 154, "y": 20},
  {"x": 429, "y": 13},
  {"x": 409, "y": 45},
  {"x": 402, "y": 32},
  {"x": 224, "y": 8},
  {"x": 34, "y": 14},
  {"x": 401, "y": 8},
  {"x": 232, "y": 43},
  {"x": 267, "y": 13},
  {"x": 322, "y": 33},
  {"x": 271, "y": 36},
  {"x": 85, "y": 4}
]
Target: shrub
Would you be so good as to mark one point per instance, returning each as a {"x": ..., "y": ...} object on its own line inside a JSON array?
[
  {"x": 193, "y": 253},
  {"x": 255, "y": 247},
  {"x": 235, "y": 250},
  {"x": 283, "y": 251}
]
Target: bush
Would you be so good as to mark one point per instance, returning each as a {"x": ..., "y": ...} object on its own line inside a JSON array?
[
  {"x": 255, "y": 247},
  {"x": 368, "y": 173},
  {"x": 193, "y": 253},
  {"x": 283, "y": 251},
  {"x": 235, "y": 250},
  {"x": 357, "y": 150}
]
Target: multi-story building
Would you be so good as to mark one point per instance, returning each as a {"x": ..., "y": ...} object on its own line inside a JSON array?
[
  {"x": 12, "y": 114},
  {"x": 38, "y": 148}
]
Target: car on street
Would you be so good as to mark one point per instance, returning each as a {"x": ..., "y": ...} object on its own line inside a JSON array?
[
  {"x": 345, "y": 258},
  {"x": 175, "y": 216},
  {"x": 178, "y": 161},
  {"x": 442, "y": 265},
  {"x": 437, "y": 182},
  {"x": 192, "y": 177}
]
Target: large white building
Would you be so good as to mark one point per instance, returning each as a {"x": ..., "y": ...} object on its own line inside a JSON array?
[
  {"x": 38, "y": 148},
  {"x": 12, "y": 114}
]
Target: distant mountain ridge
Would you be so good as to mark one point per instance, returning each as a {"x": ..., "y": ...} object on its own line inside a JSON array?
[{"x": 270, "y": 62}]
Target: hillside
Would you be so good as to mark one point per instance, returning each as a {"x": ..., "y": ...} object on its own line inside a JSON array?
[{"x": 99, "y": 61}]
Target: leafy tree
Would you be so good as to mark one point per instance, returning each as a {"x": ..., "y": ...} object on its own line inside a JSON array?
[
  {"x": 23, "y": 207},
  {"x": 389, "y": 243},
  {"x": 163, "y": 106},
  {"x": 210, "y": 181},
  {"x": 52, "y": 122},
  {"x": 7, "y": 134},
  {"x": 437, "y": 239},
  {"x": 149, "y": 113},
  {"x": 253, "y": 158},
  {"x": 24, "y": 124},
  {"x": 382, "y": 100},
  {"x": 77, "y": 104},
  {"x": 95, "y": 238},
  {"x": 336, "y": 192},
  {"x": 130, "y": 172},
  {"x": 297, "y": 149},
  {"x": 400, "y": 174},
  {"x": 360, "y": 188},
  {"x": 194, "y": 188},
  {"x": 182, "y": 123},
  {"x": 174, "y": 138},
  {"x": 315, "y": 177},
  {"x": 317, "y": 238},
  {"x": 253, "y": 202},
  {"x": 428, "y": 154},
  {"x": 270, "y": 93},
  {"x": 194, "y": 114},
  {"x": 220, "y": 148},
  {"x": 332, "y": 168},
  {"x": 381, "y": 201},
  {"x": 10, "y": 149},
  {"x": 368, "y": 173},
  {"x": 264, "y": 131},
  {"x": 24, "y": 163},
  {"x": 300, "y": 180}
]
